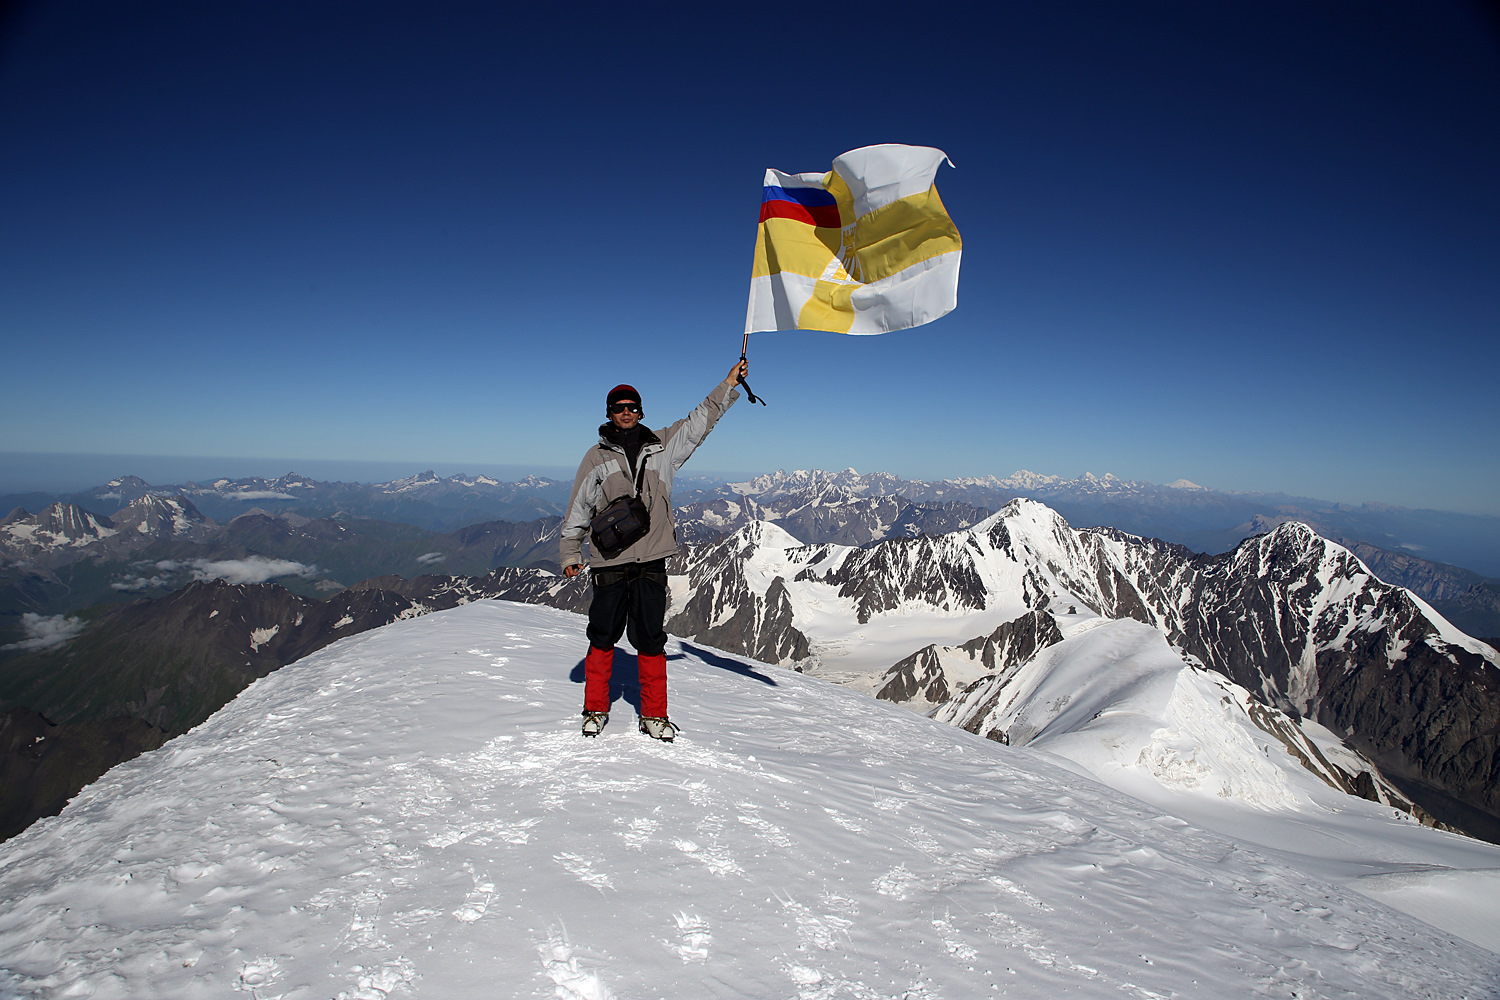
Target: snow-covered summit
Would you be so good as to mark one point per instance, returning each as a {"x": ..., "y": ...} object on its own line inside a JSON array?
[
  {"x": 411, "y": 812},
  {"x": 412, "y": 483}
]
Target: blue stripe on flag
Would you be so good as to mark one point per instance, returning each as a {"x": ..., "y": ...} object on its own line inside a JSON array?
[{"x": 810, "y": 197}]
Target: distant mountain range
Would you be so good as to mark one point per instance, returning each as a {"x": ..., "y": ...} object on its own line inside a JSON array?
[
  {"x": 128, "y": 538},
  {"x": 1203, "y": 519},
  {"x": 425, "y": 500}
]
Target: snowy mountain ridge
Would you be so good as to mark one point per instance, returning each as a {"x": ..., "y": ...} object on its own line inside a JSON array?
[
  {"x": 1289, "y": 616},
  {"x": 411, "y": 812},
  {"x": 825, "y": 513},
  {"x": 1133, "y": 712}
]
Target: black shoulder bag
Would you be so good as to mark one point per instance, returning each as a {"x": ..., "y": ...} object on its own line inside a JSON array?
[{"x": 624, "y": 522}]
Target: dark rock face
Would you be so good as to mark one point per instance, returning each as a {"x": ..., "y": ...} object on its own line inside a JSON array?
[
  {"x": 510, "y": 583},
  {"x": 157, "y": 517},
  {"x": 65, "y": 533},
  {"x": 760, "y": 627},
  {"x": 43, "y": 765},
  {"x": 921, "y": 675},
  {"x": 54, "y": 536},
  {"x": 1432, "y": 716},
  {"x": 724, "y": 611},
  {"x": 1015, "y": 642},
  {"x": 175, "y": 661},
  {"x": 1302, "y": 623},
  {"x": 507, "y": 543},
  {"x": 884, "y": 577}
]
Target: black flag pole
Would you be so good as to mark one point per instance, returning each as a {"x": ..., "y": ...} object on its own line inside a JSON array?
[{"x": 745, "y": 346}]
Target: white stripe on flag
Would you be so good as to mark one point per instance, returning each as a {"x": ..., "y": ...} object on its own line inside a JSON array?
[
  {"x": 913, "y": 296},
  {"x": 776, "y": 300},
  {"x": 775, "y": 178},
  {"x": 880, "y": 175}
]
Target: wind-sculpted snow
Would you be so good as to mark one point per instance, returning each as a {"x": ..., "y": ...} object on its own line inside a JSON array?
[
  {"x": 411, "y": 812},
  {"x": 1122, "y": 703}
]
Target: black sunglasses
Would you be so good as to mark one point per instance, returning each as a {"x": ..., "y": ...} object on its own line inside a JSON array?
[{"x": 622, "y": 407}]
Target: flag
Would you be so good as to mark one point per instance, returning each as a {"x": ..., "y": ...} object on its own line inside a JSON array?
[{"x": 865, "y": 248}]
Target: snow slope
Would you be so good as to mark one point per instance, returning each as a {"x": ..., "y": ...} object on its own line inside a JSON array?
[
  {"x": 1118, "y": 701},
  {"x": 411, "y": 812}
]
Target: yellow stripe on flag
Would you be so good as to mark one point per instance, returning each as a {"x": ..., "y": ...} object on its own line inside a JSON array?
[
  {"x": 791, "y": 246},
  {"x": 905, "y": 232},
  {"x": 829, "y": 308}
]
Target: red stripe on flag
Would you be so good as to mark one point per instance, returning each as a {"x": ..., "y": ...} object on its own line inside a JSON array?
[{"x": 822, "y": 216}]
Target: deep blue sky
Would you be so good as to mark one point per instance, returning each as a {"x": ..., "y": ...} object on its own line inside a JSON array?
[{"x": 1254, "y": 244}]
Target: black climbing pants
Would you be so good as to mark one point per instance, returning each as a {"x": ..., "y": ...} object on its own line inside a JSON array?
[{"x": 630, "y": 600}]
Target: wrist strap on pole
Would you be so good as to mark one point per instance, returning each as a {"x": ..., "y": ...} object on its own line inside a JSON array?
[{"x": 744, "y": 345}]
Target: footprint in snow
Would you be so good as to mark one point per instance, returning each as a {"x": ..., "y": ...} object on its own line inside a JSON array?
[
  {"x": 384, "y": 980},
  {"x": 641, "y": 829},
  {"x": 897, "y": 882},
  {"x": 952, "y": 938},
  {"x": 476, "y": 903},
  {"x": 573, "y": 982},
  {"x": 816, "y": 930},
  {"x": 716, "y": 859},
  {"x": 583, "y": 869},
  {"x": 256, "y": 975},
  {"x": 693, "y": 937}
]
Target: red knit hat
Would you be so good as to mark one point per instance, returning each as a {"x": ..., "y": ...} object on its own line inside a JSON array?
[{"x": 620, "y": 392}]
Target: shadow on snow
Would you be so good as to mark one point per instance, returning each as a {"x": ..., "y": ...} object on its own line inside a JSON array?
[{"x": 625, "y": 680}]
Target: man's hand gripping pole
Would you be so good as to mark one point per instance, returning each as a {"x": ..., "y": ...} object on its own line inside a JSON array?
[{"x": 744, "y": 346}]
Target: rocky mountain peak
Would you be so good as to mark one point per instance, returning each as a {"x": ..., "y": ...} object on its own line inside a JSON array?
[
  {"x": 71, "y": 522},
  {"x": 162, "y": 517}
]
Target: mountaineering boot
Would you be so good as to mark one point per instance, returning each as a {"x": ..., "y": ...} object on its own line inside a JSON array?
[
  {"x": 597, "y": 666},
  {"x": 593, "y": 722},
  {"x": 658, "y": 728}
]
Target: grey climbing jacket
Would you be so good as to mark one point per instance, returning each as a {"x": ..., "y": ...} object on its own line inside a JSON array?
[{"x": 605, "y": 474}]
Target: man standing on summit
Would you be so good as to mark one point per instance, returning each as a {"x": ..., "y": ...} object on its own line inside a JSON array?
[{"x": 630, "y": 586}]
